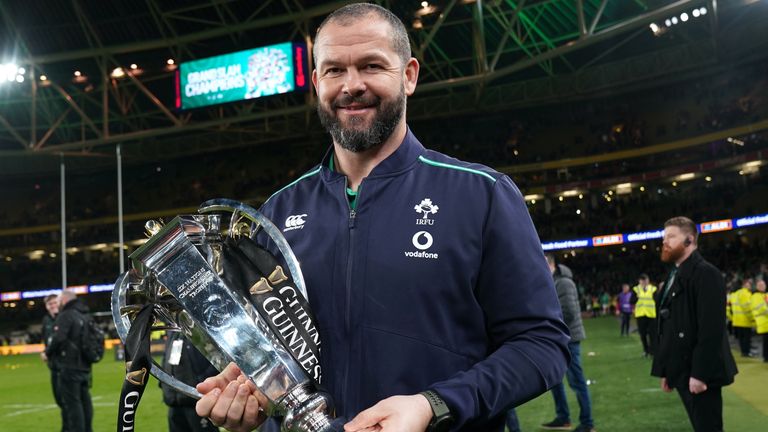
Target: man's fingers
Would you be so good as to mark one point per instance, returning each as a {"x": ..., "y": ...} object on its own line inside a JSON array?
[
  {"x": 220, "y": 381},
  {"x": 253, "y": 409},
  {"x": 204, "y": 406},
  {"x": 237, "y": 408},
  {"x": 366, "y": 419},
  {"x": 221, "y": 408}
]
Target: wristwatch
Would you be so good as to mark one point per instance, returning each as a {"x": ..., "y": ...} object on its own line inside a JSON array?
[{"x": 442, "y": 420}]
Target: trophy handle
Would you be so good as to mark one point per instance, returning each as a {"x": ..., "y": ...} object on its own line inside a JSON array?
[
  {"x": 123, "y": 324},
  {"x": 255, "y": 216}
]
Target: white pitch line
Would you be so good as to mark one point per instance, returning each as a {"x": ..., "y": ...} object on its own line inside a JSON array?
[{"x": 31, "y": 410}]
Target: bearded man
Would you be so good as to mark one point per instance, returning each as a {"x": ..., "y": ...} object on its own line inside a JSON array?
[
  {"x": 434, "y": 303},
  {"x": 693, "y": 356}
]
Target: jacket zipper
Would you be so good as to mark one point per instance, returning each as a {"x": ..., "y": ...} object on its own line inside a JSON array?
[{"x": 350, "y": 255}]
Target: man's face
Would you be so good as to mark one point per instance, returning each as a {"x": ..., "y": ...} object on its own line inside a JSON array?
[
  {"x": 52, "y": 306},
  {"x": 625, "y": 288},
  {"x": 673, "y": 246},
  {"x": 643, "y": 282},
  {"x": 361, "y": 83},
  {"x": 760, "y": 286}
]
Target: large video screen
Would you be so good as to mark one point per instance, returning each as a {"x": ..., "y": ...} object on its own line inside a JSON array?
[{"x": 242, "y": 75}]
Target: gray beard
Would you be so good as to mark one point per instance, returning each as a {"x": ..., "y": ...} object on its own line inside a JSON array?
[{"x": 359, "y": 140}]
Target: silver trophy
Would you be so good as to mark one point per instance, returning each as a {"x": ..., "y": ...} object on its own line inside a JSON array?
[{"x": 178, "y": 271}]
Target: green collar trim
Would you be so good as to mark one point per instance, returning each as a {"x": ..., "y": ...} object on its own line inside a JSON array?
[
  {"x": 306, "y": 175},
  {"x": 456, "y": 167}
]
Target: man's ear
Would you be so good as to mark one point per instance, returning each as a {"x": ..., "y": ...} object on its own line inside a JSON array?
[{"x": 411, "y": 76}]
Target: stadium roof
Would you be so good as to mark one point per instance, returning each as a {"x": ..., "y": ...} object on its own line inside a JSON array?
[{"x": 476, "y": 56}]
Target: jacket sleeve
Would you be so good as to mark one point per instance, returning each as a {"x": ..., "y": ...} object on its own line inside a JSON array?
[
  {"x": 528, "y": 350},
  {"x": 710, "y": 323}
]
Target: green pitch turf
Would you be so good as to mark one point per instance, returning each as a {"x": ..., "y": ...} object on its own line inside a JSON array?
[{"x": 624, "y": 397}]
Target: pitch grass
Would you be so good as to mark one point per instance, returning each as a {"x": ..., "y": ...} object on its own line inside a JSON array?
[{"x": 624, "y": 396}]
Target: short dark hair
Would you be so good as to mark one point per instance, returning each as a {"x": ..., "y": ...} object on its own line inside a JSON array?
[
  {"x": 643, "y": 276},
  {"x": 50, "y": 297},
  {"x": 686, "y": 225},
  {"x": 352, "y": 13}
]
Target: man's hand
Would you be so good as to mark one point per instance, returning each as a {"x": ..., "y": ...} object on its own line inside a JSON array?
[
  {"x": 394, "y": 414},
  {"x": 665, "y": 386},
  {"x": 696, "y": 386},
  {"x": 231, "y": 401},
  {"x": 43, "y": 356}
]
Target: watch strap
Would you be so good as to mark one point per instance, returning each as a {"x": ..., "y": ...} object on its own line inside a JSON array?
[{"x": 441, "y": 414}]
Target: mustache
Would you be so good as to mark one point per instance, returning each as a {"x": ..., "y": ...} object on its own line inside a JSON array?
[{"x": 346, "y": 100}]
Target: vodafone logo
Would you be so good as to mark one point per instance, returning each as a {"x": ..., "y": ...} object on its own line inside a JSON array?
[
  {"x": 417, "y": 242},
  {"x": 422, "y": 241},
  {"x": 294, "y": 222}
]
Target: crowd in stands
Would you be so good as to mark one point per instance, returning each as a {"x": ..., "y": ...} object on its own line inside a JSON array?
[{"x": 727, "y": 195}]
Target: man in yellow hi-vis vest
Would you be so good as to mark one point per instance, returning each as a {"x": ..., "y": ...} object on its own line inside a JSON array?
[
  {"x": 742, "y": 316},
  {"x": 759, "y": 306},
  {"x": 645, "y": 314}
]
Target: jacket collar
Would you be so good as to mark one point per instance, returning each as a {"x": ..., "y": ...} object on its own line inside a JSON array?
[
  {"x": 686, "y": 267},
  {"x": 406, "y": 154},
  {"x": 684, "y": 272}
]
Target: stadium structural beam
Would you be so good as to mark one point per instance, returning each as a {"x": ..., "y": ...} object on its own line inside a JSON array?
[
  {"x": 162, "y": 43},
  {"x": 582, "y": 21},
  {"x": 509, "y": 28},
  {"x": 78, "y": 110},
  {"x": 164, "y": 26},
  {"x": 153, "y": 98},
  {"x": 52, "y": 129},
  {"x": 11, "y": 130},
  {"x": 605, "y": 34},
  {"x": 598, "y": 15},
  {"x": 431, "y": 35},
  {"x": 478, "y": 34}
]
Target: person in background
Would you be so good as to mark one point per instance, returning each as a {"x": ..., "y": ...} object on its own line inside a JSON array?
[
  {"x": 75, "y": 373},
  {"x": 645, "y": 314},
  {"x": 625, "y": 308},
  {"x": 743, "y": 322},
  {"x": 605, "y": 303},
  {"x": 52, "y": 309},
  {"x": 759, "y": 306},
  {"x": 569, "y": 303},
  {"x": 184, "y": 362},
  {"x": 693, "y": 355}
]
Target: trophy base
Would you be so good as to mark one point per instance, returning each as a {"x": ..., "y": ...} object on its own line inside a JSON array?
[{"x": 307, "y": 410}]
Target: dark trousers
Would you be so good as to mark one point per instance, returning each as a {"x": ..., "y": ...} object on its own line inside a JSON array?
[
  {"x": 57, "y": 397},
  {"x": 744, "y": 336},
  {"x": 705, "y": 410},
  {"x": 575, "y": 376},
  {"x": 513, "y": 424},
  {"x": 76, "y": 399},
  {"x": 625, "y": 318},
  {"x": 646, "y": 328},
  {"x": 185, "y": 419},
  {"x": 765, "y": 347}
]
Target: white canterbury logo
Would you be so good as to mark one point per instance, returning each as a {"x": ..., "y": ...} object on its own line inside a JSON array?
[{"x": 294, "y": 222}]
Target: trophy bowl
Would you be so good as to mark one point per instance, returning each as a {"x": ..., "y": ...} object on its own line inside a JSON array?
[{"x": 203, "y": 275}]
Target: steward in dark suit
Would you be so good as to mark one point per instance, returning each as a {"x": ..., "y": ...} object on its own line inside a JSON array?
[{"x": 693, "y": 355}]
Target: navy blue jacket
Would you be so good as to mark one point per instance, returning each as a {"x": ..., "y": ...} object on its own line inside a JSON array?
[{"x": 436, "y": 280}]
